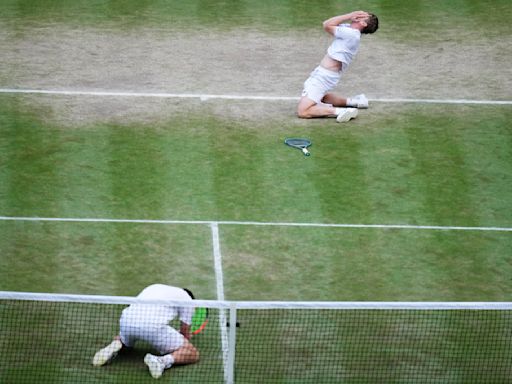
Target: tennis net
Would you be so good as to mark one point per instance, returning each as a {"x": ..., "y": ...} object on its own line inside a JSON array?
[{"x": 52, "y": 338}]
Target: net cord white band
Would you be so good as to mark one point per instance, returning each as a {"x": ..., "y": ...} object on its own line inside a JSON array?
[{"x": 229, "y": 305}]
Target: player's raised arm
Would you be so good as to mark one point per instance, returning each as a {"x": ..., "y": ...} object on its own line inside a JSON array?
[{"x": 331, "y": 24}]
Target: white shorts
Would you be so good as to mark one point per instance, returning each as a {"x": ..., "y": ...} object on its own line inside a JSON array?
[
  {"x": 162, "y": 337},
  {"x": 320, "y": 82}
]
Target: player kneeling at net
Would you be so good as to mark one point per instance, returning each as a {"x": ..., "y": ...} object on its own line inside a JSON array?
[
  {"x": 150, "y": 323},
  {"x": 317, "y": 100}
]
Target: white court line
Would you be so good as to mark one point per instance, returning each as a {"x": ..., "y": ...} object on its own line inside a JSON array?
[
  {"x": 219, "y": 278},
  {"x": 258, "y": 223},
  {"x": 444, "y": 101},
  {"x": 217, "y": 256},
  {"x": 204, "y": 97},
  {"x": 146, "y": 94}
]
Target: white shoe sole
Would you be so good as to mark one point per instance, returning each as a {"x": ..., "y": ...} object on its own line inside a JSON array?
[
  {"x": 156, "y": 367},
  {"x": 347, "y": 115},
  {"x": 103, "y": 356}
]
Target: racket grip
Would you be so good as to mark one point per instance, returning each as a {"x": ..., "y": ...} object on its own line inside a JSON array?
[{"x": 305, "y": 151}]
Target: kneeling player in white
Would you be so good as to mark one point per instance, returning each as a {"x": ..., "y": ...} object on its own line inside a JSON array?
[
  {"x": 317, "y": 100},
  {"x": 150, "y": 323}
]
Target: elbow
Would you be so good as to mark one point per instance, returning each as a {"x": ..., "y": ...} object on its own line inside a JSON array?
[{"x": 329, "y": 28}]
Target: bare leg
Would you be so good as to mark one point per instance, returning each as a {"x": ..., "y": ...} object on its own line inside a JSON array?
[
  {"x": 335, "y": 100},
  {"x": 186, "y": 354},
  {"x": 308, "y": 109}
]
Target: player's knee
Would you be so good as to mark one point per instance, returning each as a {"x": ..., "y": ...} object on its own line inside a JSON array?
[
  {"x": 304, "y": 108},
  {"x": 303, "y": 113},
  {"x": 193, "y": 354}
]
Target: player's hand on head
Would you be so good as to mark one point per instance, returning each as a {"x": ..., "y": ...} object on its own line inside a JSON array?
[{"x": 359, "y": 15}]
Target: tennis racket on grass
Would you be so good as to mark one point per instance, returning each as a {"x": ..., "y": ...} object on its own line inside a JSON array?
[
  {"x": 301, "y": 144},
  {"x": 199, "y": 320}
]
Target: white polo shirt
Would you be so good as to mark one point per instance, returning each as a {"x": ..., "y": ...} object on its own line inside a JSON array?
[
  {"x": 160, "y": 314},
  {"x": 345, "y": 45}
]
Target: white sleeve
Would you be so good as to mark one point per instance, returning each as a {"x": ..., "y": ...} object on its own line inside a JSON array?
[{"x": 343, "y": 32}]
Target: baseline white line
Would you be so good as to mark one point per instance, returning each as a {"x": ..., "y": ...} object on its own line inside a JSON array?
[
  {"x": 219, "y": 278},
  {"x": 205, "y": 97},
  {"x": 258, "y": 223},
  {"x": 146, "y": 94},
  {"x": 444, "y": 101}
]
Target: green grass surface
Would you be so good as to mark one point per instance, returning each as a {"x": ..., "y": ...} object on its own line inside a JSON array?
[
  {"x": 433, "y": 165},
  {"x": 451, "y": 170},
  {"x": 404, "y": 19},
  {"x": 428, "y": 165},
  {"x": 367, "y": 265}
]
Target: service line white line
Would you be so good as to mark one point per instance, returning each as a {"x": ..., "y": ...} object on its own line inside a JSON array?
[
  {"x": 258, "y": 223},
  {"x": 205, "y": 97}
]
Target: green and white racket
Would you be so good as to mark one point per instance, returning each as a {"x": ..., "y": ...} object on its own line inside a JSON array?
[
  {"x": 301, "y": 144},
  {"x": 199, "y": 320}
]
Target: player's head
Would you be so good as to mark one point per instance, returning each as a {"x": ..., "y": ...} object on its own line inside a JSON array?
[
  {"x": 189, "y": 293},
  {"x": 372, "y": 24}
]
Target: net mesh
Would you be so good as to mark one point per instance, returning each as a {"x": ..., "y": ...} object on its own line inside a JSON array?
[
  {"x": 374, "y": 346},
  {"x": 55, "y": 341}
]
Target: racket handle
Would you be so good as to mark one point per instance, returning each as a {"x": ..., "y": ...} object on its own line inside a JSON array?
[{"x": 305, "y": 152}]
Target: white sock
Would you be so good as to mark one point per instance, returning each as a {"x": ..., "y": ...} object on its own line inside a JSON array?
[
  {"x": 339, "y": 110},
  {"x": 168, "y": 360},
  {"x": 351, "y": 103}
]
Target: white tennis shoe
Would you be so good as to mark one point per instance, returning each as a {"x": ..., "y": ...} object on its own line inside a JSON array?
[
  {"x": 155, "y": 364},
  {"x": 346, "y": 114},
  {"x": 360, "y": 101},
  {"x": 103, "y": 356}
]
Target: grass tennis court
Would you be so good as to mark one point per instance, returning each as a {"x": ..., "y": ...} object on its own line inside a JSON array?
[
  {"x": 445, "y": 163},
  {"x": 431, "y": 173}
]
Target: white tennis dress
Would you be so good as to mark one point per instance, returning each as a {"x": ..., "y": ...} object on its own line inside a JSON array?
[{"x": 150, "y": 322}]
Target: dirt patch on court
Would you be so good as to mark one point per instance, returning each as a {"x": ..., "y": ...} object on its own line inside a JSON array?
[{"x": 243, "y": 63}]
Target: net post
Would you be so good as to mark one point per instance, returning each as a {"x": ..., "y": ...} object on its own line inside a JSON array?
[{"x": 230, "y": 377}]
